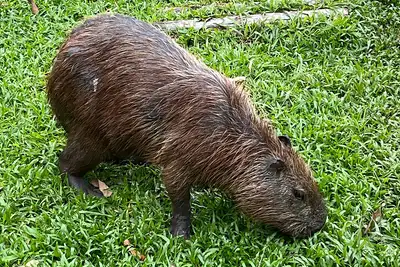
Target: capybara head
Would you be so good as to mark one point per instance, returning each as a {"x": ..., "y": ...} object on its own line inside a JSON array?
[{"x": 279, "y": 189}]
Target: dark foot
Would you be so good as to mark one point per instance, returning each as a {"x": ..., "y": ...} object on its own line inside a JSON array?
[
  {"x": 82, "y": 184},
  {"x": 181, "y": 226},
  {"x": 180, "y": 198},
  {"x": 181, "y": 217}
]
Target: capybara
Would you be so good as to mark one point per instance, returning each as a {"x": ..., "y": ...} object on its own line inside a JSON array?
[{"x": 123, "y": 89}]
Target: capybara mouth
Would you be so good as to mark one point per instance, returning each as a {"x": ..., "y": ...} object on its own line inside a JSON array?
[{"x": 309, "y": 230}]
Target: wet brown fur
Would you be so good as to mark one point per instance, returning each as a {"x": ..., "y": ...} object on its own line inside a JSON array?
[{"x": 121, "y": 88}]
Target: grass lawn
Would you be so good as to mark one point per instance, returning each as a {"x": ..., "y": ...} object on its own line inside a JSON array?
[{"x": 331, "y": 84}]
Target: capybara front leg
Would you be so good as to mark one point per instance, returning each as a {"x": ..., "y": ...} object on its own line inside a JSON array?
[
  {"x": 180, "y": 198},
  {"x": 180, "y": 225}
]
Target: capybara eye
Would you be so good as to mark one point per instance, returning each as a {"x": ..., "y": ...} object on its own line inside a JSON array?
[{"x": 299, "y": 194}]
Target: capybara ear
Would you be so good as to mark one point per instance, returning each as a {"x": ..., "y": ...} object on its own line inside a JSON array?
[
  {"x": 277, "y": 164},
  {"x": 239, "y": 81},
  {"x": 285, "y": 140}
]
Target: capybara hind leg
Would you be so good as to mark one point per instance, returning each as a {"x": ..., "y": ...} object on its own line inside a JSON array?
[
  {"x": 180, "y": 198},
  {"x": 80, "y": 183},
  {"x": 78, "y": 158}
]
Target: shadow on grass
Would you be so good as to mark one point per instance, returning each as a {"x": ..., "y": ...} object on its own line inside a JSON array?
[{"x": 213, "y": 212}]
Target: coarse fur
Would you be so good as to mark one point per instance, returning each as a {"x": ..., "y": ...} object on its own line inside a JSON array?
[{"x": 121, "y": 88}]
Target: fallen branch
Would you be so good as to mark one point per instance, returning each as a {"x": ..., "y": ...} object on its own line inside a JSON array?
[
  {"x": 232, "y": 21},
  {"x": 183, "y": 8}
]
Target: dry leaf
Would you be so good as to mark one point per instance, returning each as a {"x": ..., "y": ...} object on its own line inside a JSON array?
[
  {"x": 239, "y": 79},
  {"x": 34, "y": 7},
  {"x": 32, "y": 263},
  {"x": 136, "y": 253},
  {"x": 95, "y": 183},
  {"x": 102, "y": 187},
  {"x": 376, "y": 216},
  {"x": 133, "y": 251}
]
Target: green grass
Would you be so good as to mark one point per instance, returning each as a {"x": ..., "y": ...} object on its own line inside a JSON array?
[{"x": 330, "y": 84}]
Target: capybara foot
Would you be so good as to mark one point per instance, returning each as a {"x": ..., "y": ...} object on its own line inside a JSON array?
[
  {"x": 82, "y": 184},
  {"x": 181, "y": 226}
]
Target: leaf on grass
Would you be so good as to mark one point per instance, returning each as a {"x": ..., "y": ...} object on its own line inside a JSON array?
[
  {"x": 376, "y": 216},
  {"x": 133, "y": 251},
  {"x": 136, "y": 253},
  {"x": 95, "y": 183},
  {"x": 34, "y": 7},
  {"x": 239, "y": 79},
  {"x": 102, "y": 187},
  {"x": 32, "y": 263}
]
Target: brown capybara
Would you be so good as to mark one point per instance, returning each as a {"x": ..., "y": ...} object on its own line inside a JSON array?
[{"x": 123, "y": 89}]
